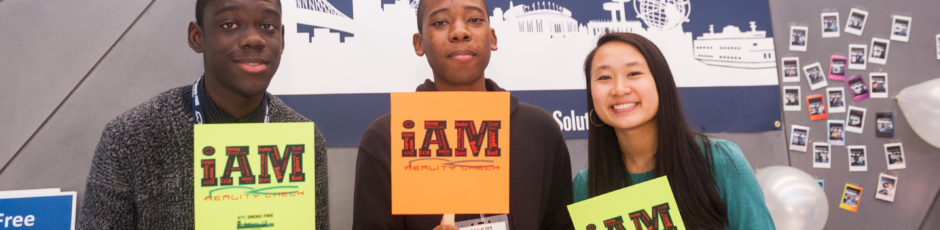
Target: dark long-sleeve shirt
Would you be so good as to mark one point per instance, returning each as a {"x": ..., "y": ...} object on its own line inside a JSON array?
[{"x": 539, "y": 178}]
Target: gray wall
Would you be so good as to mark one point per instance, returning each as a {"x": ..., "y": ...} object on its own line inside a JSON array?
[{"x": 70, "y": 67}]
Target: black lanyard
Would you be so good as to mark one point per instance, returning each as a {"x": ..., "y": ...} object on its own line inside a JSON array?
[{"x": 197, "y": 107}]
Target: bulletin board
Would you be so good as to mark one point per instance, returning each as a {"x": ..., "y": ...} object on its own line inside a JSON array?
[{"x": 907, "y": 63}]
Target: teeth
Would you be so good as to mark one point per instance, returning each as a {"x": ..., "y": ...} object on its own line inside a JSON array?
[
  {"x": 624, "y": 106},
  {"x": 252, "y": 63}
]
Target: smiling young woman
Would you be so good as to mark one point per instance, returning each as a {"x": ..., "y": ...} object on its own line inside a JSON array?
[{"x": 639, "y": 132}]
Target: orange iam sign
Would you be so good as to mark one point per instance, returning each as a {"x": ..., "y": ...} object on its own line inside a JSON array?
[{"x": 450, "y": 152}]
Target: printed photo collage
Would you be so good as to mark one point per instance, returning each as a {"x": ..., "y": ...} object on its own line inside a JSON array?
[{"x": 833, "y": 94}]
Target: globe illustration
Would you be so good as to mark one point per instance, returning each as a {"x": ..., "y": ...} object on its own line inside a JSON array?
[{"x": 662, "y": 14}]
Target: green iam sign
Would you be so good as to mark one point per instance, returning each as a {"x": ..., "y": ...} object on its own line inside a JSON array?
[{"x": 645, "y": 206}]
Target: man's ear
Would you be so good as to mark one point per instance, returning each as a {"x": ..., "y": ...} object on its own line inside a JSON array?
[
  {"x": 493, "y": 40},
  {"x": 416, "y": 41},
  {"x": 194, "y": 37}
]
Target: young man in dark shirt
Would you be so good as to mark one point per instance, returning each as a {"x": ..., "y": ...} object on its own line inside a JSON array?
[
  {"x": 142, "y": 173},
  {"x": 457, "y": 39}
]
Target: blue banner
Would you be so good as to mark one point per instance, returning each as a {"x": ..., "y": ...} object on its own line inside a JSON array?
[
  {"x": 344, "y": 117},
  {"x": 54, "y": 211},
  {"x": 344, "y": 57}
]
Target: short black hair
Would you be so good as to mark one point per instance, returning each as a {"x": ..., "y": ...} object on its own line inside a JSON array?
[
  {"x": 422, "y": 8},
  {"x": 201, "y": 9}
]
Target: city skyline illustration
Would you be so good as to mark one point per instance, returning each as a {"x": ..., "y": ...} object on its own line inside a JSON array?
[{"x": 364, "y": 46}]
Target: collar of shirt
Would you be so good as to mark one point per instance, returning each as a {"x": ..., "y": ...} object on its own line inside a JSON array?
[{"x": 213, "y": 114}]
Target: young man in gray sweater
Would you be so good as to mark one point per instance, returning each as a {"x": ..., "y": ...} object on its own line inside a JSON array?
[
  {"x": 142, "y": 173},
  {"x": 456, "y": 38}
]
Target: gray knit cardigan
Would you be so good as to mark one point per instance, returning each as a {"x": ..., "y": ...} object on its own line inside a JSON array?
[{"x": 142, "y": 172}]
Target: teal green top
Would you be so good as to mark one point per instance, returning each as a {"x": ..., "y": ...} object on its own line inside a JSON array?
[{"x": 737, "y": 187}]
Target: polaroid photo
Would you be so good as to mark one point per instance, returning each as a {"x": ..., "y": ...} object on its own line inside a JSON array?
[
  {"x": 855, "y": 24},
  {"x": 857, "y": 160},
  {"x": 791, "y": 69},
  {"x": 901, "y": 28},
  {"x": 937, "y": 39},
  {"x": 814, "y": 76},
  {"x": 798, "y": 38},
  {"x": 855, "y": 120},
  {"x": 886, "y": 187},
  {"x": 879, "y": 85},
  {"x": 799, "y": 138},
  {"x": 822, "y": 183},
  {"x": 837, "y": 67},
  {"x": 836, "y": 132},
  {"x": 879, "y": 50},
  {"x": 821, "y": 152},
  {"x": 851, "y": 197},
  {"x": 791, "y": 98},
  {"x": 816, "y": 107},
  {"x": 830, "y": 24},
  {"x": 894, "y": 155},
  {"x": 858, "y": 88},
  {"x": 836, "y": 98},
  {"x": 857, "y": 58},
  {"x": 884, "y": 124}
]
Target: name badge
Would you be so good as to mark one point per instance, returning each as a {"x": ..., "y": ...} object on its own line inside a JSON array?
[{"x": 498, "y": 222}]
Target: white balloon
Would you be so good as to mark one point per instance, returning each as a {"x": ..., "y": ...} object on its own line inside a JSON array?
[
  {"x": 794, "y": 199},
  {"x": 921, "y": 106}
]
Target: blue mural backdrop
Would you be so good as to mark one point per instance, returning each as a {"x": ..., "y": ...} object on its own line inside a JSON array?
[{"x": 345, "y": 56}]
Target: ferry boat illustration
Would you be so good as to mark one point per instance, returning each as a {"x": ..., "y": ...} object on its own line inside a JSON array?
[{"x": 735, "y": 48}]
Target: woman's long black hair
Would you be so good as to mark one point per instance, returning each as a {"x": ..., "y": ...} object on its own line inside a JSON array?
[{"x": 678, "y": 154}]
